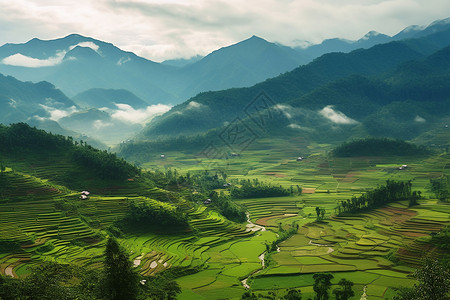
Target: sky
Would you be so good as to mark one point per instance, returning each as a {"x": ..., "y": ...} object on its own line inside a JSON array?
[{"x": 168, "y": 29}]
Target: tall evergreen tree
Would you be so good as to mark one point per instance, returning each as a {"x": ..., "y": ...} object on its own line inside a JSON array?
[{"x": 121, "y": 281}]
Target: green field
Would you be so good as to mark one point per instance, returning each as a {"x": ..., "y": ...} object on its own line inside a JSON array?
[{"x": 48, "y": 222}]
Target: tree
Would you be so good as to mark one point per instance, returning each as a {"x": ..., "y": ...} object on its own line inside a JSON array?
[
  {"x": 322, "y": 283},
  {"x": 433, "y": 283},
  {"x": 345, "y": 291},
  {"x": 121, "y": 281},
  {"x": 293, "y": 294}
]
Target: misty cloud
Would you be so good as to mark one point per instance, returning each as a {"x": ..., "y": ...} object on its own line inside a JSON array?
[
  {"x": 20, "y": 60},
  {"x": 56, "y": 114},
  {"x": 335, "y": 116},
  {"x": 99, "y": 124},
  {"x": 419, "y": 119},
  {"x": 194, "y": 105},
  {"x": 296, "y": 126},
  {"x": 285, "y": 109},
  {"x": 126, "y": 113}
]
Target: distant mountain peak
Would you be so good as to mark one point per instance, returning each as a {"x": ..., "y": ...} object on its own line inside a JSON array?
[{"x": 440, "y": 22}]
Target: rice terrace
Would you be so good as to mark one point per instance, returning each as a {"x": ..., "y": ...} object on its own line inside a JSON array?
[{"x": 281, "y": 245}]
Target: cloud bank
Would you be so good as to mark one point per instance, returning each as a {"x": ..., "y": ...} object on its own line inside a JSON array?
[
  {"x": 126, "y": 113},
  {"x": 335, "y": 116},
  {"x": 20, "y": 60}
]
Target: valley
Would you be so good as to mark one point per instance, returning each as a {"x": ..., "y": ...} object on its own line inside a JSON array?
[
  {"x": 257, "y": 171},
  {"x": 377, "y": 249}
]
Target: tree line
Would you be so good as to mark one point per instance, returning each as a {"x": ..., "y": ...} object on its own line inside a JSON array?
[
  {"x": 378, "y": 147},
  {"x": 391, "y": 192}
]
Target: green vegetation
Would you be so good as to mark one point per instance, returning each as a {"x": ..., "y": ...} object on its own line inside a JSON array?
[
  {"x": 392, "y": 192},
  {"x": 433, "y": 282},
  {"x": 378, "y": 147},
  {"x": 257, "y": 189},
  {"x": 151, "y": 216},
  {"x": 208, "y": 255}
]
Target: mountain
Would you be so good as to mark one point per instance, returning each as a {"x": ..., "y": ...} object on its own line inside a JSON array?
[
  {"x": 181, "y": 62},
  {"x": 100, "y": 125},
  {"x": 76, "y": 63},
  {"x": 199, "y": 113},
  {"x": 45, "y": 107},
  {"x": 373, "y": 38},
  {"x": 21, "y": 100},
  {"x": 409, "y": 101},
  {"x": 98, "y": 98},
  {"x": 243, "y": 64}
]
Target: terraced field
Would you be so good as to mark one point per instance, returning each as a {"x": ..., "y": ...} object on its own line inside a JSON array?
[
  {"x": 378, "y": 250},
  {"x": 357, "y": 248}
]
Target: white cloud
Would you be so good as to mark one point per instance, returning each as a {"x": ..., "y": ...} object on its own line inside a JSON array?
[
  {"x": 419, "y": 119},
  {"x": 336, "y": 116},
  {"x": 194, "y": 105},
  {"x": 21, "y": 60},
  {"x": 99, "y": 124},
  {"x": 91, "y": 45},
  {"x": 285, "y": 109},
  {"x": 296, "y": 126},
  {"x": 126, "y": 113},
  {"x": 56, "y": 114}
]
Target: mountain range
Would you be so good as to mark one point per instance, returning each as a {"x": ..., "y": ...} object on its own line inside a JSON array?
[
  {"x": 76, "y": 64},
  {"x": 115, "y": 94}
]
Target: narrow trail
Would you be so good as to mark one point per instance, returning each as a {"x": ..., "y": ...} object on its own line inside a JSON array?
[
  {"x": 364, "y": 295},
  {"x": 253, "y": 227}
]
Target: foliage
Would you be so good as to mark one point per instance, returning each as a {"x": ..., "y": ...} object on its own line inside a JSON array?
[
  {"x": 393, "y": 191},
  {"x": 256, "y": 189},
  {"x": 320, "y": 212},
  {"x": 105, "y": 165},
  {"x": 293, "y": 294},
  {"x": 440, "y": 187},
  {"x": 433, "y": 283},
  {"x": 322, "y": 283},
  {"x": 345, "y": 291},
  {"x": 121, "y": 280},
  {"x": 162, "y": 286},
  {"x": 20, "y": 140},
  {"x": 378, "y": 147},
  {"x": 442, "y": 239},
  {"x": 155, "y": 216},
  {"x": 282, "y": 236}
]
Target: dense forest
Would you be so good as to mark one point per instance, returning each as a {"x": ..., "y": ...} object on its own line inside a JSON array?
[
  {"x": 20, "y": 140},
  {"x": 378, "y": 147}
]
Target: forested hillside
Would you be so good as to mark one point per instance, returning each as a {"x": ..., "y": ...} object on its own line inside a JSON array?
[{"x": 198, "y": 114}]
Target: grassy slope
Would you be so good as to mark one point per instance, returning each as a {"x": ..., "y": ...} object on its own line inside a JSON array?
[
  {"x": 51, "y": 223},
  {"x": 359, "y": 244}
]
